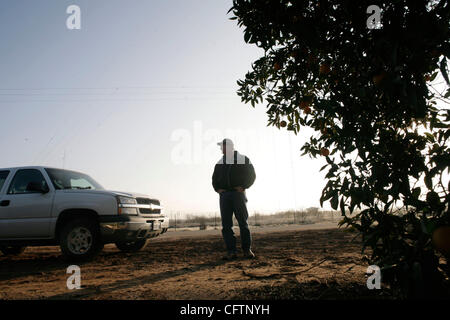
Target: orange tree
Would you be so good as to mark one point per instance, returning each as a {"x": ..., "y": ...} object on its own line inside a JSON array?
[{"x": 381, "y": 125}]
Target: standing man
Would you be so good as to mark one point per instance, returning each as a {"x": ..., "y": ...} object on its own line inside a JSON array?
[{"x": 233, "y": 174}]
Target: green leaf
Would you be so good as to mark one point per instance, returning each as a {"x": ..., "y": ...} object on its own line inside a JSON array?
[
  {"x": 334, "y": 201},
  {"x": 247, "y": 36},
  {"x": 443, "y": 68},
  {"x": 428, "y": 181},
  {"x": 342, "y": 206},
  {"x": 416, "y": 193},
  {"x": 430, "y": 137}
]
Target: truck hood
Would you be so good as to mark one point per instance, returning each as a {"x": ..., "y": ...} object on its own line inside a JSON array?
[{"x": 111, "y": 193}]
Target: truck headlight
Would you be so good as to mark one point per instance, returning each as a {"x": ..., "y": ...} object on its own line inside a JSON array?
[
  {"x": 126, "y": 205},
  {"x": 126, "y": 200}
]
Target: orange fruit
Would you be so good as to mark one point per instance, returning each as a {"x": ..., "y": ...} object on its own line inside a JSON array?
[
  {"x": 435, "y": 53},
  {"x": 311, "y": 59},
  {"x": 304, "y": 104},
  {"x": 324, "y": 152},
  {"x": 441, "y": 239},
  {"x": 283, "y": 124},
  {"x": 307, "y": 110},
  {"x": 324, "y": 69},
  {"x": 276, "y": 66},
  {"x": 377, "y": 79}
]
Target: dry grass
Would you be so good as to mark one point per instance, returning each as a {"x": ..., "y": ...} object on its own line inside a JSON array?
[{"x": 311, "y": 215}]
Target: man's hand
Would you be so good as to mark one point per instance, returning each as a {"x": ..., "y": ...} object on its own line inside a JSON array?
[
  {"x": 240, "y": 189},
  {"x": 220, "y": 190}
]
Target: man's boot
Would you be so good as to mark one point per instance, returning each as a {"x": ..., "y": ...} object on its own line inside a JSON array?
[
  {"x": 248, "y": 254},
  {"x": 230, "y": 256}
]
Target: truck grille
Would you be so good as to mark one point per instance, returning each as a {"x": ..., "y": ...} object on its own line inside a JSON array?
[
  {"x": 149, "y": 211},
  {"x": 148, "y": 201}
]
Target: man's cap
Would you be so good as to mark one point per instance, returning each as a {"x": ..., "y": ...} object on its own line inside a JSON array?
[{"x": 225, "y": 142}]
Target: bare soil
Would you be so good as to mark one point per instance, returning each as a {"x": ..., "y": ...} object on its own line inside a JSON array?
[{"x": 290, "y": 264}]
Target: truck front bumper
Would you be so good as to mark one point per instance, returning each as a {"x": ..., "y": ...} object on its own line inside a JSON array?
[{"x": 124, "y": 228}]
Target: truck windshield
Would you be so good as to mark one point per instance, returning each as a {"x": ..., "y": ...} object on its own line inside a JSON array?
[
  {"x": 65, "y": 179},
  {"x": 3, "y": 176}
]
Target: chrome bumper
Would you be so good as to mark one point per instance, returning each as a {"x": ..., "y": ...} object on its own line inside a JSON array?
[{"x": 136, "y": 228}]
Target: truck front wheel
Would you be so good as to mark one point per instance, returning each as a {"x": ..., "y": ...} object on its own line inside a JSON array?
[
  {"x": 80, "y": 239},
  {"x": 131, "y": 246},
  {"x": 12, "y": 250}
]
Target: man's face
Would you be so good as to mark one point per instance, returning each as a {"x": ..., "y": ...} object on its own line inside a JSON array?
[{"x": 226, "y": 148}]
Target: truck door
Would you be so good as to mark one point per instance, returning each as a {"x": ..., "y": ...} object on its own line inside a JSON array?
[{"x": 25, "y": 206}]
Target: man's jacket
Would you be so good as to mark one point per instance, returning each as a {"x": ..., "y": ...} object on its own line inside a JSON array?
[{"x": 233, "y": 171}]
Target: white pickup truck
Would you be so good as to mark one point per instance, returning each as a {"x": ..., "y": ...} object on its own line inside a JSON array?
[{"x": 45, "y": 206}]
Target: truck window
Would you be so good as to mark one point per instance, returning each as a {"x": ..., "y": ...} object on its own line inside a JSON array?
[
  {"x": 65, "y": 179},
  {"x": 23, "y": 179},
  {"x": 3, "y": 176}
]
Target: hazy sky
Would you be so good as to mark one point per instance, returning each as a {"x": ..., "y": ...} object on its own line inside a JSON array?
[{"x": 138, "y": 98}]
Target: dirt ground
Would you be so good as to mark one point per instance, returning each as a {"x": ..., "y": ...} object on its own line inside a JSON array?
[{"x": 291, "y": 263}]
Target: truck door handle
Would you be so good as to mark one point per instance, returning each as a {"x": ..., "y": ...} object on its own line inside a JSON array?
[{"x": 4, "y": 203}]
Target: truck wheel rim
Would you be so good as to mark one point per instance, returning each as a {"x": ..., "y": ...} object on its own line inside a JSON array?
[{"x": 80, "y": 240}]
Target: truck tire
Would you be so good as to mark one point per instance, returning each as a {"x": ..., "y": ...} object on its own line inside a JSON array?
[
  {"x": 12, "y": 250},
  {"x": 131, "y": 246},
  {"x": 80, "y": 239}
]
